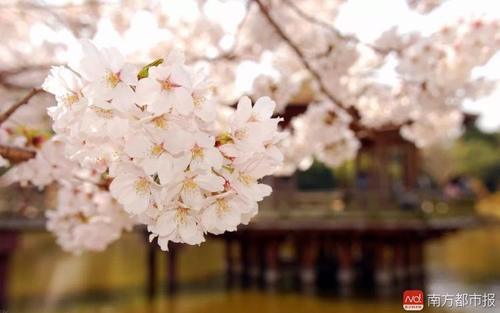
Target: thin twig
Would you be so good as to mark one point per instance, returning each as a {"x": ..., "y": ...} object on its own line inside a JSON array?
[
  {"x": 16, "y": 154},
  {"x": 5, "y": 115},
  {"x": 314, "y": 20},
  {"x": 311, "y": 19}
]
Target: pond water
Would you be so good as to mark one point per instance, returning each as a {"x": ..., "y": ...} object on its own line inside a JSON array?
[{"x": 45, "y": 279}]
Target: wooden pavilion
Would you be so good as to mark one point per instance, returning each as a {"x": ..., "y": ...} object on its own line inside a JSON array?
[{"x": 370, "y": 234}]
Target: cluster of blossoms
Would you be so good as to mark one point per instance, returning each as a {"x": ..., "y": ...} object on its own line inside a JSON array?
[
  {"x": 47, "y": 167},
  {"x": 154, "y": 132},
  {"x": 432, "y": 77},
  {"x": 435, "y": 74},
  {"x": 432, "y": 67},
  {"x": 86, "y": 217},
  {"x": 281, "y": 91},
  {"x": 445, "y": 59},
  {"x": 321, "y": 133},
  {"x": 178, "y": 167}
]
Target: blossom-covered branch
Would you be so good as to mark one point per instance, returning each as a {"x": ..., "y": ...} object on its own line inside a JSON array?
[
  {"x": 303, "y": 59},
  {"x": 152, "y": 133},
  {"x": 173, "y": 156},
  {"x": 311, "y": 19}
]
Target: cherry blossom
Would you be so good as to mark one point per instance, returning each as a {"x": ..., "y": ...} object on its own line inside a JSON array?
[
  {"x": 86, "y": 218},
  {"x": 322, "y": 132},
  {"x": 49, "y": 165},
  {"x": 161, "y": 126},
  {"x": 168, "y": 160}
]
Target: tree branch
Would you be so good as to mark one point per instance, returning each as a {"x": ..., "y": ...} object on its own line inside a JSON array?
[
  {"x": 313, "y": 20},
  {"x": 5, "y": 115},
  {"x": 16, "y": 154},
  {"x": 301, "y": 56}
]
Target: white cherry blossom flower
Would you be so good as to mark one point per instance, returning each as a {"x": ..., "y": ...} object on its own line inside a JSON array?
[
  {"x": 86, "y": 218},
  {"x": 247, "y": 186},
  {"x": 155, "y": 135},
  {"x": 109, "y": 77},
  {"x": 167, "y": 86},
  {"x": 154, "y": 158},
  {"x": 134, "y": 190},
  {"x": 224, "y": 213},
  {"x": 177, "y": 223},
  {"x": 250, "y": 128},
  {"x": 192, "y": 188},
  {"x": 204, "y": 155},
  {"x": 64, "y": 84}
]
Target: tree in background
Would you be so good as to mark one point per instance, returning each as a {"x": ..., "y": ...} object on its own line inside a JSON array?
[{"x": 107, "y": 103}]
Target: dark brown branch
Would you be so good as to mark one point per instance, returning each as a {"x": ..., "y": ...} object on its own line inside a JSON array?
[
  {"x": 5, "y": 115},
  {"x": 299, "y": 53},
  {"x": 15, "y": 154}
]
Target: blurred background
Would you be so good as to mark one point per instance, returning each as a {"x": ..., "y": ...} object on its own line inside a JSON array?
[{"x": 411, "y": 201}]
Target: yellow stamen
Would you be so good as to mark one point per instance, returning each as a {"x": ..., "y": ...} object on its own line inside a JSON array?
[
  {"x": 198, "y": 100},
  {"x": 241, "y": 134},
  {"x": 71, "y": 99},
  {"x": 197, "y": 152},
  {"x": 224, "y": 138},
  {"x": 181, "y": 214},
  {"x": 167, "y": 84},
  {"x": 112, "y": 79},
  {"x": 141, "y": 186},
  {"x": 103, "y": 113},
  {"x": 160, "y": 122},
  {"x": 222, "y": 206},
  {"x": 246, "y": 179},
  {"x": 157, "y": 150},
  {"x": 81, "y": 217},
  {"x": 189, "y": 184}
]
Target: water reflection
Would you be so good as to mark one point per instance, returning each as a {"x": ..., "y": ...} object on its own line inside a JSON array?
[{"x": 45, "y": 279}]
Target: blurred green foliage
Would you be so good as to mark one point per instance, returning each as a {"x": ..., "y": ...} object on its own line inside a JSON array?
[
  {"x": 317, "y": 177},
  {"x": 477, "y": 154}
]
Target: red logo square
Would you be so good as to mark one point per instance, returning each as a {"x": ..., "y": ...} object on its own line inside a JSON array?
[{"x": 413, "y": 300}]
